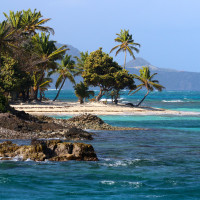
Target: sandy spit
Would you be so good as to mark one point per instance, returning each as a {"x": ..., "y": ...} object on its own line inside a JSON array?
[{"x": 74, "y": 108}]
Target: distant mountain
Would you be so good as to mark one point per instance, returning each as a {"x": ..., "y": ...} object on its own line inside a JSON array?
[
  {"x": 139, "y": 62},
  {"x": 171, "y": 79}
]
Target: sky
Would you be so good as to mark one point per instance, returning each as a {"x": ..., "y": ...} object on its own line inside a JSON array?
[{"x": 168, "y": 30}]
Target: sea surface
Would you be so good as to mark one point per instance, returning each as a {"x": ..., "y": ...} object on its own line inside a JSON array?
[{"x": 162, "y": 162}]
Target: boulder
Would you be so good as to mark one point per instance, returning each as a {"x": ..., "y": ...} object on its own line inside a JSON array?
[{"x": 54, "y": 150}]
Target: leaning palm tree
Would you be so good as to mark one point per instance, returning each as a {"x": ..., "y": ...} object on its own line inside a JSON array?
[
  {"x": 82, "y": 92},
  {"x": 146, "y": 81},
  {"x": 65, "y": 70},
  {"x": 127, "y": 44}
]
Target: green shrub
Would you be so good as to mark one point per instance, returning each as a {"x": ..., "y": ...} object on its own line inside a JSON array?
[{"x": 3, "y": 104}]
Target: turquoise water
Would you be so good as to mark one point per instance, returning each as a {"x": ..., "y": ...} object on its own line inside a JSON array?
[
  {"x": 182, "y": 100},
  {"x": 162, "y": 162}
]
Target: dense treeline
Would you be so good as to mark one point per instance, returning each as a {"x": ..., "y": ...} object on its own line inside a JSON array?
[
  {"x": 26, "y": 53},
  {"x": 28, "y": 58}
]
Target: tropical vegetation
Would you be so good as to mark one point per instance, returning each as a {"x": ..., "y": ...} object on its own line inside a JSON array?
[
  {"x": 29, "y": 57},
  {"x": 26, "y": 55},
  {"x": 101, "y": 71}
]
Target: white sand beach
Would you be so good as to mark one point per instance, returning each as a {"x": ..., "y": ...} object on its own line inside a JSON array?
[{"x": 74, "y": 108}]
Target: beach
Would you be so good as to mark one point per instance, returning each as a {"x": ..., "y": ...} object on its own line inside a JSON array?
[{"x": 75, "y": 108}]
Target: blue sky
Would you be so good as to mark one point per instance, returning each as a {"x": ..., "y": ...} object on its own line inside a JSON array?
[{"x": 168, "y": 30}]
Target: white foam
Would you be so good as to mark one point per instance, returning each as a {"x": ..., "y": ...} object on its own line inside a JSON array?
[
  {"x": 172, "y": 101},
  {"x": 121, "y": 163},
  {"x": 134, "y": 184},
  {"x": 17, "y": 158},
  {"x": 28, "y": 160},
  {"x": 108, "y": 182}
]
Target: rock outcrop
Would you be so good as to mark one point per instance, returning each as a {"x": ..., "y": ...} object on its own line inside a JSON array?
[
  {"x": 89, "y": 121},
  {"x": 53, "y": 150},
  {"x": 15, "y": 127}
]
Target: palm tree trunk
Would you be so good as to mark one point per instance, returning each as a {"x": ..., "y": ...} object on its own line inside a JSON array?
[
  {"x": 142, "y": 99},
  {"x": 125, "y": 60},
  {"x": 81, "y": 100},
  {"x": 35, "y": 94},
  {"x": 59, "y": 89},
  {"x": 38, "y": 85}
]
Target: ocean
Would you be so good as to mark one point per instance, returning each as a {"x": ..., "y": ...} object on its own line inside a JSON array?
[{"x": 162, "y": 162}]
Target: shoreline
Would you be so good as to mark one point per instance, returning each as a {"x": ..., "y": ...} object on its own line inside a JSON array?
[{"x": 50, "y": 108}]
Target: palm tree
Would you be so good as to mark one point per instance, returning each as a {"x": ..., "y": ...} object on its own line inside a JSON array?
[
  {"x": 80, "y": 61},
  {"x": 127, "y": 44},
  {"x": 65, "y": 70},
  {"x": 31, "y": 21},
  {"x": 82, "y": 92},
  {"x": 46, "y": 53},
  {"x": 28, "y": 22},
  {"x": 146, "y": 81}
]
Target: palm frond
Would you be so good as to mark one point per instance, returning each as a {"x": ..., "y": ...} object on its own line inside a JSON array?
[
  {"x": 157, "y": 86},
  {"x": 59, "y": 81},
  {"x": 152, "y": 76},
  {"x": 114, "y": 48},
  {"x": 118, "y": 51},
  {"x": 134, "y": 91}
]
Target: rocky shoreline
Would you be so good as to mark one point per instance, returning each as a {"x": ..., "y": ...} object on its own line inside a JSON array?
[{"x": 21, "y": 125}]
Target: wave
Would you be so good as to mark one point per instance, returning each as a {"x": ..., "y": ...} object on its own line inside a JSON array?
[
  {"x": 119, "y": 99},
  {"x": 52, "y": 89},
  {"x": 123, "y": 163},
  {"x": 173, "y": 101},
  {"x": 108, "y": 182},
  {"x": 135, "y": 184},
  {"x": 17, "y": 158}
]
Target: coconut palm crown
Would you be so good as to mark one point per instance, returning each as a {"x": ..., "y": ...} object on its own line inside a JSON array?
[
  {"x": 29, "y": 22},
  {"x": 147, "y": 81},
  {"x": 127, "y": 44}
]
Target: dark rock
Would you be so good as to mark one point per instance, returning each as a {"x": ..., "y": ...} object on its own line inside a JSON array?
[{"x": 13, "y": 127}]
